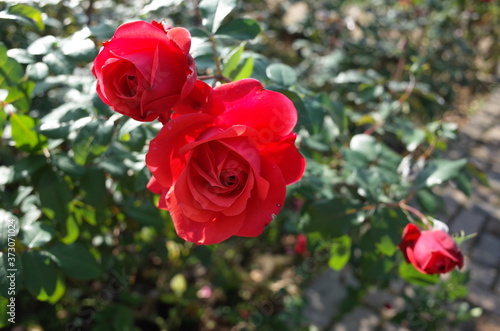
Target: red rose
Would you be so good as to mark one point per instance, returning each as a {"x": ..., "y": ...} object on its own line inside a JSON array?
[
  {"x": 430, "y": 252},
  {"x": 222, "y": 166},
  {"x": 145, "y": 69},
  {"x": 300, "y": 244}
]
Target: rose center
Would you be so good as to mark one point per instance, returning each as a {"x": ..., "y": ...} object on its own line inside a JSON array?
[{"x": 229, "y": 179}]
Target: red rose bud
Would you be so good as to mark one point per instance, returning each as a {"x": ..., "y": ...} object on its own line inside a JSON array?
[
  {"x": 145, "y": 69},
  {"x": 223, "y": 162},
  {"x": 430, "y": 252},
  {"x": 300, "y": 244}
]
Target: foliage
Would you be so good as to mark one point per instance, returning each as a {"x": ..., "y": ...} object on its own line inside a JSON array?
[{"x": 370, "y": 82}]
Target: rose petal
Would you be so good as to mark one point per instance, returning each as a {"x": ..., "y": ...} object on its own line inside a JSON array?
[
  {"x": 260, "y": 212},
  {"x": 181, "y": 37},
  {"x": 214, "y": 231},
  {"x": 286, "y": 156},
  {"x": 246, "y": 102},
  {"x": 164, "y": 158}
]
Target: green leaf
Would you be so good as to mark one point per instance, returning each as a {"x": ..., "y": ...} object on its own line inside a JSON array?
[
  {"x": 9, "y": 228},
  {"x": 438, "y": 171},
  {"x": 332, "y": 217},
  {"x": 20, "y": 96},
  {"x": 352, "y": 76},
  {"x": 336, "y": 111},
  {"x": 93, "y": 188},
  {"x": 3, "y": 121},
  {"x": 340, "y": 252},
  {"x": 11, "y": 73},
  {"x": 71, "y": 231},
  {"x": 92, "y": 140},
  {"x": 213, "y": 12},
  {"x": 145, "y": 213},
  {"x": 42, "y": 46},
  {"x": 240, "y": 28},
  {"x": 28, "y": 12},
  {"x": 27, "y": 166},
  {"x": 366, "y": 145},
  {"x": 40, "y": 272},
  {"x": 20, "y": 55},
  {"x": 232, "y": 60},
  {"x": 75, "y": 260},
  {"x": 79, "y": 50},
  {"x": 281, "y": 74},
  {"x": 37, "y": 71},
  {"x": 428, "y": 200},
  {"x": 55, "y": 196},
  {"x": 246, "y": 69},
  {"x": 56, "y": 295},
  {"x": 23, "y": 132},
  {"x": 408, "y": 272},
  {"x": 36, "y": 234},
  {"x": 386, "y": 246},
  {"x": 58, "y": 63}
]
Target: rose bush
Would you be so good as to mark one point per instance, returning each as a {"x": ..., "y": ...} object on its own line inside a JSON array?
[
  {"x": 223, "y": 164},
  {"x": 430, "y": 252},
  {"x": 145, "y": 69}
]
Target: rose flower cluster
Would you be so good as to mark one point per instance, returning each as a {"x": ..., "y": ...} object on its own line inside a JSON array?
[{"x": 223, "y": 158}]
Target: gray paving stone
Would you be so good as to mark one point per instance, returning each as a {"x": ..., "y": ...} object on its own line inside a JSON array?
[
  {"x": 360, "y": 319},
  {"x": 481, "y": 153},
  {"x": 493, "y": 226},
  {"x": 323, "y": 298},
  {"x": 469, "y": 220},
  {"x": 487, "y": 250},
  {"x": 492, "y": 136},
  {"x": 483, "y": 297},
  {"x": 481, "y": 274}
]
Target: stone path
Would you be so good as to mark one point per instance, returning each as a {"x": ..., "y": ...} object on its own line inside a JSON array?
[{"x": 480, "y": 213}]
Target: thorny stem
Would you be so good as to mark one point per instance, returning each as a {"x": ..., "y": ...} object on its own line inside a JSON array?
[
  {"x": 218, "y": 70},
  {"x": 216, "y": 77},
  {"x": 401, "y": 205}
]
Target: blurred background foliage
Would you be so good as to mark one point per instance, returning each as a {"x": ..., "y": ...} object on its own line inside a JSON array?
[{"x": 373, "y": 82}]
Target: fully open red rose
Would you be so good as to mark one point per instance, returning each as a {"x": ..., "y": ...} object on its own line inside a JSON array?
[
  {"x": 222, "y": 167},
  {"x": 145, "y": 69},
  {"x": 430, "y": 252}
]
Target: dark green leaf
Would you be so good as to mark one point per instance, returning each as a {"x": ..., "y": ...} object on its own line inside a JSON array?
[
  {"x": 36, "y": 234},
  {"x": 42, "y": 45},
  {"x": 55, "y": 196},
  {"x": 40, "y": 273},
  {"x": 37, "y": 71},
  {"x": 79, "y": 50},
  {"x": 282, "y": 74},
  {"x": 213, "y": 12},
  {"x": 75, "y": 260},
  {"x": 438, "y": 171},
  {"x": 92, "y": 141},
  {"x": 58, "y": 63},
  {"x": 240, "y": 28}
]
